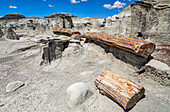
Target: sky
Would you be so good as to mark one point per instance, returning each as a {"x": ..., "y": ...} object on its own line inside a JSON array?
[{"x": 80, "y": 8}]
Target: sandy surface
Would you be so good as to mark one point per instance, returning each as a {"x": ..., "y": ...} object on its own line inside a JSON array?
[{"x": 45, "y": 86}]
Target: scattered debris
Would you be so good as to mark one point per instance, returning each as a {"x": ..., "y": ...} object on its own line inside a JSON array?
[
  {"x": 125, "y": 92},
  {"x": 13, "y": 86},
  {"x": 77, "y": 93}
]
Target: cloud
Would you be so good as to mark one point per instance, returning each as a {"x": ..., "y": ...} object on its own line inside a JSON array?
[
  {"x": 13, "y": 7},
  {"x": 50, "y": 5},
  {"x": 117, "y": 4},
  {"x": 76, "y": 1}
]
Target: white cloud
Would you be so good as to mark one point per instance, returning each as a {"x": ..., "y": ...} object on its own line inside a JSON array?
[
  {"x": 117, "y": 4},
  {"x": 50, "y": 5},
  {"x": 108, "y": 6},
  {"x": 13, "y": 7},
  {"x": 74, "y": 1}
]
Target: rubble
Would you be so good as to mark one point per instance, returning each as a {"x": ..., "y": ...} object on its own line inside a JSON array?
[{"x": 125, "y": 92}]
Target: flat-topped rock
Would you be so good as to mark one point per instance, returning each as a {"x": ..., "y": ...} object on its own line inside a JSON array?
[{"x": 12, "y": 16}]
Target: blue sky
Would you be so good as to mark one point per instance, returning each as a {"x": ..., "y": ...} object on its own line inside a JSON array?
[{"x": 80, "y": 8}]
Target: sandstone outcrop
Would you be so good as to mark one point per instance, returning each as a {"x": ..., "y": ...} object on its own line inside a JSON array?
[{"x": 150, "y": 20}]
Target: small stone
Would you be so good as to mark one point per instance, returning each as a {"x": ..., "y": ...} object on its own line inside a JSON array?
[
  {"x": 77, "y": 93},
  {"x": 13, "y": 86}
]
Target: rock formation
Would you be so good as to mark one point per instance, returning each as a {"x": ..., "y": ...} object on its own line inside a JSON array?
[
  {"x": 11, "y": 34},
  {"x": 151, "y": 20},
  {"x": 13, "y": 16},
  {"x": 1, "y": 33}
]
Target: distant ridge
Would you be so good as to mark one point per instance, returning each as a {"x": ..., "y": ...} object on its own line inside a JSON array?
[{"x": 16, "y": 16}]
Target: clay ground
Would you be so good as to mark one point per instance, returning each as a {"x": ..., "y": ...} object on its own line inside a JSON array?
[{"x": 45, "y": 86}]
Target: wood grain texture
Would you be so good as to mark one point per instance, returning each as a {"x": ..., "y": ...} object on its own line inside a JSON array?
[
  {"x": 125, "y": 92},
  {"x": 139, "y": 47}
]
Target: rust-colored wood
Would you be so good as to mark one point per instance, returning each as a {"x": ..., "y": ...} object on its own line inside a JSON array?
[
  {"x": 63, "y": 31},
  {"x": 139, "y": 47},
  {"x": 123, "y": 91}
]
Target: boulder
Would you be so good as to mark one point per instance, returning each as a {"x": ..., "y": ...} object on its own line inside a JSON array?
[
  {"x": 158, "y": 71},
  {"x": 77, "y": 93},
  {"x": 13, "y": 86},
  {"x": 11, "y": 34}
]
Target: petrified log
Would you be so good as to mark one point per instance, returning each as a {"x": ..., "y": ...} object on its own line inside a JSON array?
[
  {"x": 25, "y": 48},
  {"x": 139, "y": 47},
  {"x": 123, "y": 91},
  {"x": 63, "y": 31}
]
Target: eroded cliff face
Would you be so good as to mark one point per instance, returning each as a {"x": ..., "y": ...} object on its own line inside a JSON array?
[{"x": 151, "y": 20}]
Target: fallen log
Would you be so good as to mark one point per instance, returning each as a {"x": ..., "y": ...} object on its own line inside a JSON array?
[
  {"x": 63, "y": 31},
  {"x": 139, "y": 47},
  {"x": 125, "y": 92}
]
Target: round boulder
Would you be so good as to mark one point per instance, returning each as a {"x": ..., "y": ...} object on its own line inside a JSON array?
[{"x": 77, "y": 93}]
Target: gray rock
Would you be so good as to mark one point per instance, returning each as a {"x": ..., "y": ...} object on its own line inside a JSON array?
[
  {"x": 77, "y": 93},
  {"x": 1, "y": 33},
  {"x": 158, "y": 65},
  {"x": 158, "y": 71},
  {"x": 11, "y": 34},
  {"x": 13, "y": 86}
]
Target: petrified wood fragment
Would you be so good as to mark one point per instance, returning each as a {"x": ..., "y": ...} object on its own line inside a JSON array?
[
  {"x": 139, "y": 47},
  {"x": 125, "y": 92},
  {"x": 63, "y": 31},
  {"x": 52, "y": 49},
  {"x": 11, "y": 34}
]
